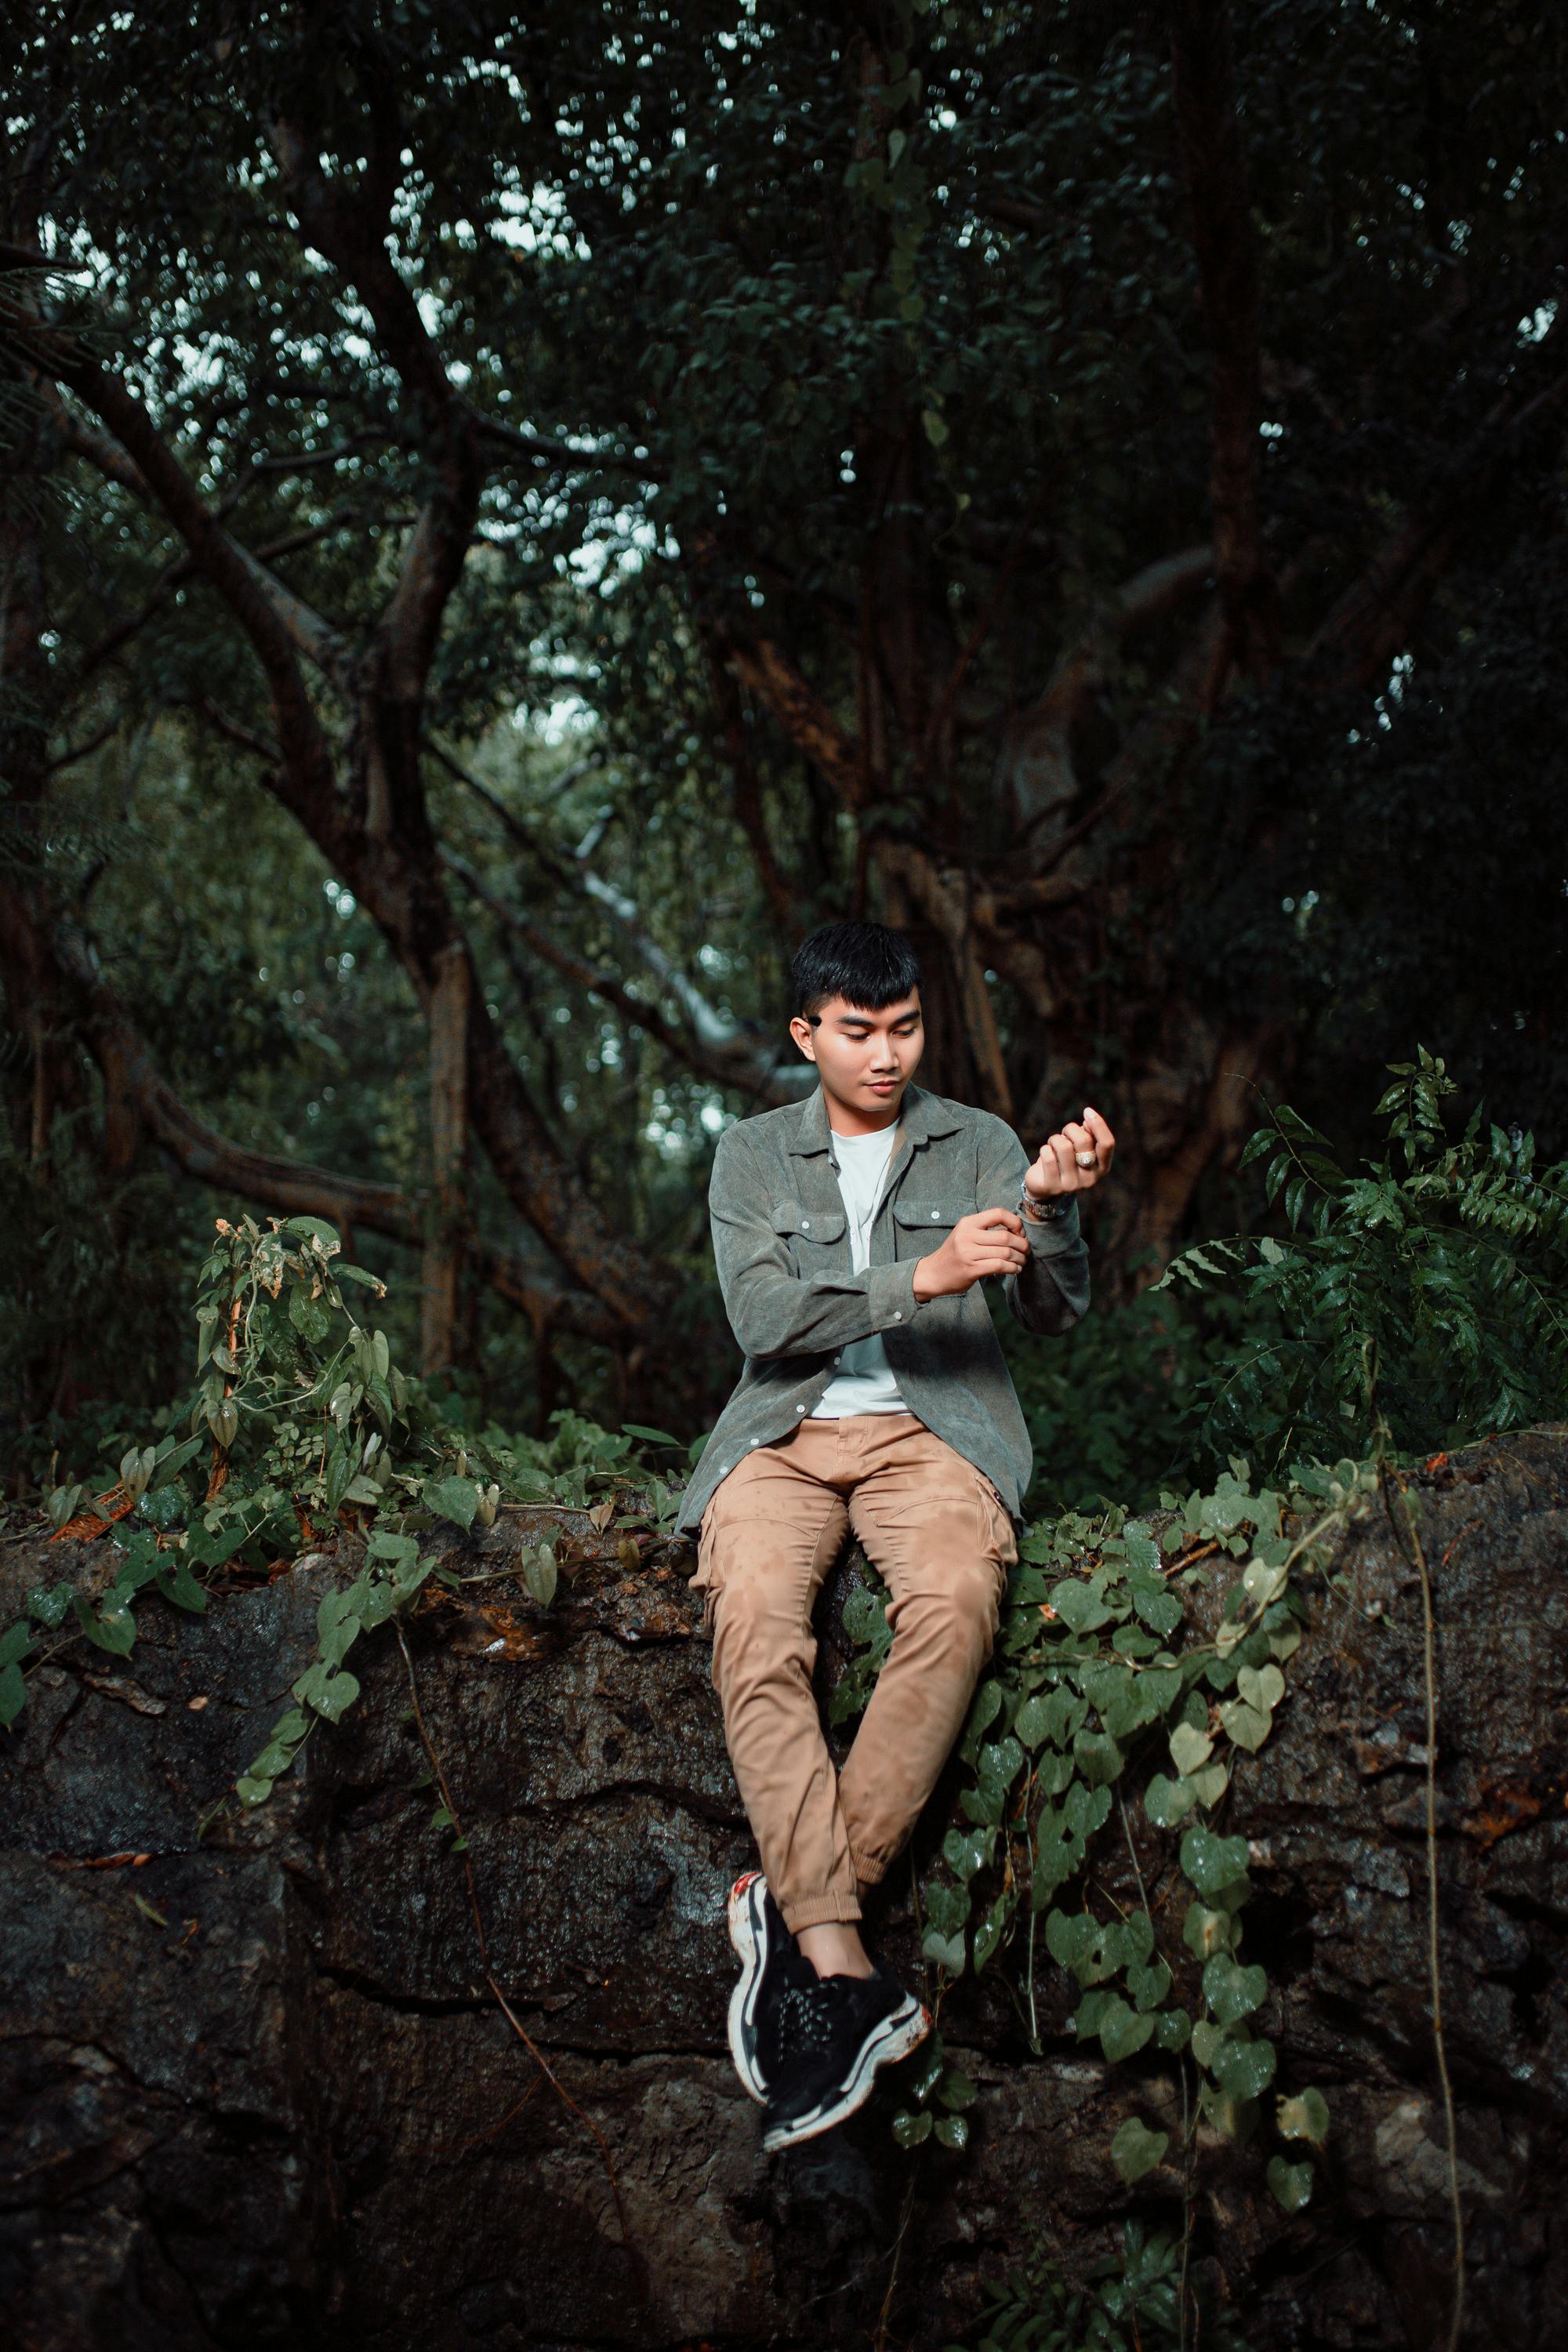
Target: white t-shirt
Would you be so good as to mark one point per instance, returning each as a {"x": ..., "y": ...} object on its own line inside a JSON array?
[{"x": 864, "y": 1381}]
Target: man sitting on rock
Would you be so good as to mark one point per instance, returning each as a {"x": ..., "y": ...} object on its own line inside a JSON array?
[{"x": 852, "y": 1233}]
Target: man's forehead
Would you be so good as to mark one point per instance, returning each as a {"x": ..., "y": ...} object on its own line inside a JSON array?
[{"x": 838, "y": 1008}]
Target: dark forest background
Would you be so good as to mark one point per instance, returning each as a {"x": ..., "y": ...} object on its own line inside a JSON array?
[{"x": 512, "y": 520}]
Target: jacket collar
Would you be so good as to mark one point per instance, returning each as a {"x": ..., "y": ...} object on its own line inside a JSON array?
[{"x": 922, "y": 1114}]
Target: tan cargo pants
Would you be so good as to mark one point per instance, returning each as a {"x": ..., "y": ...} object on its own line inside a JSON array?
[{"x": 941, "y": 1538}]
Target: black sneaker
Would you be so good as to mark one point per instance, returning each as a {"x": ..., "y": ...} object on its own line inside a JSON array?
[
  {"x": 767, "y": 1954},
  {"x": 833, "y": 2034}
]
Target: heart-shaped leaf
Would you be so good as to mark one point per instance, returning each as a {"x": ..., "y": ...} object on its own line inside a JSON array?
[
  {"x": 1086, "y": 1810},
  {"x": 1213, "y": 1863},
  {"x": 1071, "y": 1936},
  {"x": 1098, "y": 1757},
  {"x": 115, "y": 1631},
  {"x": 1209, "y": 1785},
  {"x": 335, "y": 1695},
  {"x": 1246, "y": 1726},
  {"x": 998, "y": 1765},
  {"x": 1231, "y": 1992},
  {"x": 947, "y": 1906},
  {"x": 1291, "y": 2183},
  {"x": 1245, "y": 2068},
  {"x": 1136, "y": 2149},
  {"x": 1306, "y": 2116},
  {"x": 452, "y": 1499},
  {"x": 1161, "y": 1610},
  {"x": 335, "y": 1645},
  {"x": 1168, "y": 1801},
  {"x": 1137, "y": 1543},
  {"x": 1262, "y": 1687},
  {"x": 1263, "y": 1583},
  {"x": 1150, "y": 1984},
  {"x": 964, "y": 1851},
  {"x": 1056, "y": 1859},
  {"x": 1204, "y": 1931},
  {"x": 1122, "y": 2031},
  {"x": 1207, "y": 2040},
  {"x": 1190, "y": 1747},
  {"x": 947, "y": 1951},
  {"x": 1032, "y": 1723}
]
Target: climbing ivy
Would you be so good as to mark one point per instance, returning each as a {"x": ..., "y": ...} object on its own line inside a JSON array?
[
  {"x": 1100, "y": 1673},
  {"x": 1440, "y": 1287}
]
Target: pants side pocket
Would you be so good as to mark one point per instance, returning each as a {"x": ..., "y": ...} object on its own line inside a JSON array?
[{"x": 710, "y": 1577}]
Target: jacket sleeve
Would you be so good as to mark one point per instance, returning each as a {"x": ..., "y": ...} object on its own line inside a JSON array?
[
  {"x": 774, "y": 1310},
  {"x": 1051, "y": 1294}
]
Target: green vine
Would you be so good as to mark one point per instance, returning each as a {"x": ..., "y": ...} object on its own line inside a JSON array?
[{"x": 1099, "y": 1669}]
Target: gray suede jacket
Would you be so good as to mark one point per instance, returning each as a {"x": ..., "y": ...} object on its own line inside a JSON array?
[{"x": 781, "y": 1243}]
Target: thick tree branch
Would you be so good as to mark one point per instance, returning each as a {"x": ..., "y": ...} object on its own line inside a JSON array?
[
  {"x": 1374, "y": 619},
  {"x": 712, "y": 1031},
  {"x": 138, "y": 1095},
  {"x": 740, "y": 1062},
  {"x": 340, "y": 229},
  {"x": 278, "y": 625},
  {"x": 200, "y": 526},
  {"x": 1037, "y": 762},
  {"x": 763, "y": 666},
  {"x": 746, "y": 789},
  {"x": 942, "y": 898},
  {"x": 1215, "y": 162}
]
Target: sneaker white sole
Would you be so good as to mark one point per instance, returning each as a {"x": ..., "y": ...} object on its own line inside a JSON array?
[
  {"x": 747, "y": 1937},
  {"x": 894, "y": 2039}
]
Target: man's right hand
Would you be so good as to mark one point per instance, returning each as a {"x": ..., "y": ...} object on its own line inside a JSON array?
[{"x": 989, "y": 1241}]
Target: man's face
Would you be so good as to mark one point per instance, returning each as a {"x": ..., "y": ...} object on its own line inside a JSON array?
[{"x": 866, "y": 1059}]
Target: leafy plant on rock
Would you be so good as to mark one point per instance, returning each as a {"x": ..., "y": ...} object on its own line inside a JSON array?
[{"x": 300, "y": 1427}]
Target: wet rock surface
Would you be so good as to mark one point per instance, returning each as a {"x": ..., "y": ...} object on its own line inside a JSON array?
[{"x": 256, "y": 2090}]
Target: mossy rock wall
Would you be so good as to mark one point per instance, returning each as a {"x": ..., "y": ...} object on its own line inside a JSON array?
[{"x": 257, "y": 2092}]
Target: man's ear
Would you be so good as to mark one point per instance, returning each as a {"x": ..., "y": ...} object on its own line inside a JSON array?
[{"x": 800, "y": 1030}]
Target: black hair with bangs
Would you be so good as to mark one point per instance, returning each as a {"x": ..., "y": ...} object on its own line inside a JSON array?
[{"x": 867, "y": 964}]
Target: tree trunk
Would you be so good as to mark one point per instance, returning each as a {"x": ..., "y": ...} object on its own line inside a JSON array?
[{"x": 448, "y": 1136}]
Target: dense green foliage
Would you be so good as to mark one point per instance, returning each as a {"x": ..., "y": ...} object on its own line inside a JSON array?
[
  {"x": 301, "y": 1425},
  {"x": 874, "y": 351},
  {"x": 1441, "y": 1288},
  {"x": 1130, "y": 2302}
]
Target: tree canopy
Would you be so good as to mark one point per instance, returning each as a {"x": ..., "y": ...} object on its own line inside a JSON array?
[{"x": 512, "y": 519}]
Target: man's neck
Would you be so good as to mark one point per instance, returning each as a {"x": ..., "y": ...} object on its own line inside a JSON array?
[{"x": 845, "y": 1119}]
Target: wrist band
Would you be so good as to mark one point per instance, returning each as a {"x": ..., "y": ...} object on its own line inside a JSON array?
[{"x": 1042, "y": 1213}]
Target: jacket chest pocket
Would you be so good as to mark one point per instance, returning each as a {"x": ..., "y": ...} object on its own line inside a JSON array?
[
  {"x": 808, "y": 1231},
  {"x": 924, "y": 1223}
]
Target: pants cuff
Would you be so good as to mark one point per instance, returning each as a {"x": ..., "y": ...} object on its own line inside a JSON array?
[
  {"x": 868, "y": 1872},
  {"x": 817, "y": 1910}
]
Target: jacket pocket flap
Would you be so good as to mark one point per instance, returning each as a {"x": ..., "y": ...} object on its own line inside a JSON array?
[
  {"x": 817, "y": 1224},
  {"x": 927, "y": 1212}
]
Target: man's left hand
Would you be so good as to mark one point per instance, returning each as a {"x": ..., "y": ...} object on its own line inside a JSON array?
[{"x": 1073, "y": 1160}]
